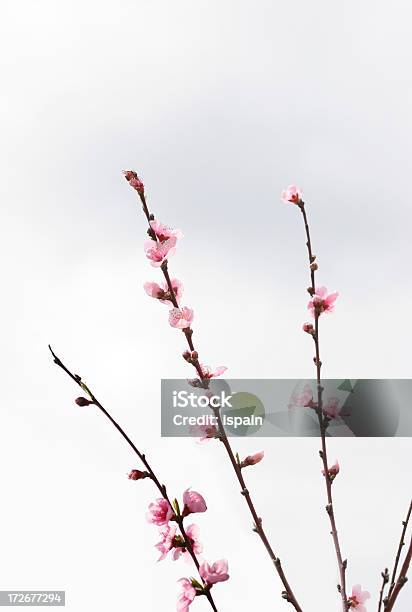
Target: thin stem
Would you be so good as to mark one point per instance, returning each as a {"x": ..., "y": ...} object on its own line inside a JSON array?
[
  {"x": 160, "y": 487},
  {"x": 385, "y": 580},
  {"x": 342, "y": 564},
  {"x": 399, "y": 551},
  {"x": 287, "y": 594},
  {"x": 401, "y": 581}
]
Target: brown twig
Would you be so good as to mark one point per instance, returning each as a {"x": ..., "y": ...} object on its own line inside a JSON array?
[
  {"x": 385, "y": 580},
  {"x": 401, "y": 581},
  {"x": 160, "y": 487},
  {"x": 288, "y": 593},
  {"x": 323, "y": 423},
  {"x": 394, "y": 581}
]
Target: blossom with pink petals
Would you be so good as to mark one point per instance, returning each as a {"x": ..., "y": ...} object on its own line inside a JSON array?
[
  {"x": 205, "y": 433},
  {"x": 214, "y": 573},
  {"x": 158, "y": 251},
  {"x": 186, "y": 596},
  {"x": 192, "y": 532},
  {"x": 209, "y": 373},
  {"x": 292, "y": 195},
  {"x": 358, "y": 598},
  {"x": 163, "y": 232},
  {"x": 322, "y": 301},
  {"x": 181, "y": 317},
  {"x": 162, "y": 293},
  {"x": 193, "y": 502},
  {"x": 160, "y": 512},
  {"x": 252, "y": 459},
  {"x": 167, "y": 534},
  {"x": 304, "y": 399},
  {"x": 333, "y": 471},
  {"x": 331, "y": 408}
]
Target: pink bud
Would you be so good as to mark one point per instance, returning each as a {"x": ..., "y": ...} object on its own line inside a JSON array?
[
  {"x": 137, "y": 184},
  {"x": 138, "y": 475},
  {"x": 252, "y": 459},
  {"x": 333, "y": 471},
  {"x": 193, "y": 502},
  {"x": 308, "y": 328},
  {"x": 82, "y": 401},
  {"x": 129, "y": 174}
]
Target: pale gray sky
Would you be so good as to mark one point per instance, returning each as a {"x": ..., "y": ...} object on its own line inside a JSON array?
[{"x": 218, "y": 105}]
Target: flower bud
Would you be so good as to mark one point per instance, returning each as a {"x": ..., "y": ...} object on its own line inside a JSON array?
[
  {"x": 137, "y": 184},
  {"x": 252, "y": 459},
  {"x": 308, "y": 328},
  {"x": 129, "y": 174},
  {"x": 138, "y": 475},
  {"x": 313, "y": 266},
  {"x": 82, "y": 401}
]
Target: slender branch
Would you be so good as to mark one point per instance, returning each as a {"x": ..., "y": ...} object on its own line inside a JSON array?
[
  {"x": 385, "y": 580},
  {"x": 399, "y": 551},
  {"x": 160, "y": 487},
  {"x": 342, "y": 564},
  {"x": 397, "y": 584},
  {"x": 401, "y": 581},
  {"x": 288, "y": 593}
]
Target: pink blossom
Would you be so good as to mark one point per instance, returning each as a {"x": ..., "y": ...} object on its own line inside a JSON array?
[
  {"x": 358, "y": 598},
  {"x": 192, "y": 532},
  {"x": 214, "y": 573},
  {"x": 163, "y": 232},
  {"x": 331, "y": 408},
  {"x": 162, "y": 293},
  {"x": 167, "y": 534},
  {"x": 333, "y": 471},
  {"x": 308, "y": 328},
  {"x": 160, "y": 512},
  {"x": 209, "y": 373},
  {"x": 322, "y": 302},
  {"x": 158, "y": 251},
  {"x": 304, "y": 399},
  {"x": 252, "y": 459},
  {"x": 204, "y": 432},
  {"x": 193, "y": 502},
  {"x": 292, "y": 194},
  {"x": 186, "y": 596},
  {"x": 181, "y": 317}
]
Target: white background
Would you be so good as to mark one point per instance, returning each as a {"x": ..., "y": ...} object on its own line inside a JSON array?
[{"x": 218, "y": 105}]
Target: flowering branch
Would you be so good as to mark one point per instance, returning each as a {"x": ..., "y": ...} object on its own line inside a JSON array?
[
  {"x": 397, "y": 584},
  {"x": 164, "y": 510},
  {"x": 161, "y": 246},
  {"x": 321, "y": 302}
]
